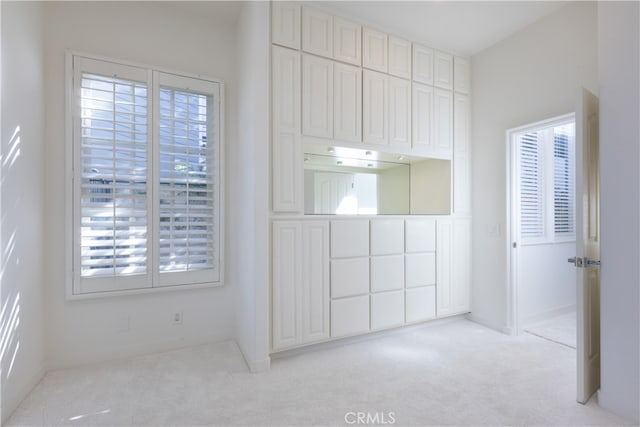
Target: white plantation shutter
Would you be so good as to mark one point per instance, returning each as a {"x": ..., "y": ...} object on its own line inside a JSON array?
[
  {"x": 188, "y": 191},
  {"x": 146, "y": 178},
  {"x": 531, "y": 185},
  {"x": 111, "y": 174},
  {"x": 563, "y": 179}
]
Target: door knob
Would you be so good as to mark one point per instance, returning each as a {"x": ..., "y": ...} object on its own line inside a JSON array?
[{"x": 591, "y": 262}]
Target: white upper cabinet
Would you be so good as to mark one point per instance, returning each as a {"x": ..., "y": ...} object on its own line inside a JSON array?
[
  {"x": 317, "y": 96},
  {"x": 399, "y": 57},
  {"x": 443, "y": 70},
  {"x": 287, "y": 146},
  {"x": 461, "y": 75},
  {"x": 443, "y": 122},
  {"x": 374, "y": 50},
  {"x": 461, "y": 109},
  {"x": 285, "y": 24},
  {"x": 422, "y": 64},
  {"x": 399, "y": 112},
  {"x": 347, "y": 100},
  {"x": 347, "y": 41},
  {"x": 317, "y": 32},
  {"x": 375, "y": 111},
  {"x": 422, "y": 120}
]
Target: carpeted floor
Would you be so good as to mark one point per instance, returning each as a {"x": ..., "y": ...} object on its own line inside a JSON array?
[{"x": 456, "y": 373}]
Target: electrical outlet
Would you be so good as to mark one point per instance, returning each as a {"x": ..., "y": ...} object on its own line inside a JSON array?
[{"x": 177, "y": 318}]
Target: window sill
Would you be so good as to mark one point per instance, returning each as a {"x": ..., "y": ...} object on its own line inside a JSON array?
[{"x": 142, "y": 291}]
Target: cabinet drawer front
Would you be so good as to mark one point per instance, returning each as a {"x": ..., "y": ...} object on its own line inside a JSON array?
[
  {"x": 420, "y": 304},
  {"x": 349, "y": 238},
  {"x": 349, "y": 277},
  {"x": 387, "y": 309},
  {"x": 420, "y": 269},
  {"x": 420, "y": 235},
  {"x": 349, "y": 316},
  {"x": 387, "y": 237},
  {"x": 387, "y": 273}
]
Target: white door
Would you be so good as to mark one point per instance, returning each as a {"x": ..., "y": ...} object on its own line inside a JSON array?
[
  {"x": 334, "y": 193},
  {"x": 587, "y": 245}
]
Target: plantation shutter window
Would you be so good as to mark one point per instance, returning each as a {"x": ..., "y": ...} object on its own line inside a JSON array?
[
  {"x": 146, "y": 178},
  {"x": 531, "y": 186},
  {"x": 188, "y": 163},
  {"x": 546, "y": 181},
  {"x": 564, "y": 179}
]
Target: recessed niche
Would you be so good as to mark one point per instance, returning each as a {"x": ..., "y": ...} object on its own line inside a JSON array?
[{"x": 350, "y": 181}]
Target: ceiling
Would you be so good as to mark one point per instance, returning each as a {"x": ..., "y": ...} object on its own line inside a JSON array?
[{"x": 461, "y": 27}]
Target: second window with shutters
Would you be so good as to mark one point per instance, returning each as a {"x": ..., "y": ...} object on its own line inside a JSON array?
[
  {"x": 546, "y": 181},
  {"x": 146, "y": 177}
]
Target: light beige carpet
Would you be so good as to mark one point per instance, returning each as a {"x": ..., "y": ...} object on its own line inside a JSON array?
[{"x": 560, "y": 329}]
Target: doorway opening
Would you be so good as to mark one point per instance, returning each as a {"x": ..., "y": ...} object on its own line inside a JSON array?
[{"x": 542, "y": 229}]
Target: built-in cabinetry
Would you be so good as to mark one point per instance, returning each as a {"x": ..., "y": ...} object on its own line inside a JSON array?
[
  {"x": 341, "y": 83},
  {"x": 365, "y": 275}
]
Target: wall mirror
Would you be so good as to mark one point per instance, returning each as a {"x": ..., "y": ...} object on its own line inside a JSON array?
[{"x": 351, "y": 181}]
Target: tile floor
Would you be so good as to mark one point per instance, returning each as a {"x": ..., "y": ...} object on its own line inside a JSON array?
[
  {"x": 560, "y": 328},
  {"x": 456, "y": 373}
]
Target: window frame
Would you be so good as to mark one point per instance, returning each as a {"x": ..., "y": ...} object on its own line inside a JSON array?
[
  {"x": 549, "y": 235},
  {"x": 72, "y": 207}
]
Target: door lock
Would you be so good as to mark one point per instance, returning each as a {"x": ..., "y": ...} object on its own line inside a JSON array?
[{"x": 577, "y": 261}]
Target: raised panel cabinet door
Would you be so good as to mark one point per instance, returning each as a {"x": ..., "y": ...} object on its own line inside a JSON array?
[
  {"x": 317, "y": 32},
  {"x": 315, "y": 281},
  {"x": 317, "y": 96},
  {"x": 375, "y": 108},
  {"x": 349, "y": 316},
  {"x": 347, "y": 41},
  {"x": 387, "y": 237},
  {"x": 422, "y": 120},
  {"x": 374, "y": 50},
  {"x": 286, "y": 292},
  {"x": 461, "y": 75},
  {"x": 420, "y": 269},
  {"x": 349, "y": 277},
  {"x": 443, "y": 70},
  {"x": 461, "y": 277},
  {"x": 399, "y": 57},
  {"x": 287, "y": 146},
  {"x": 347, "y": 103},
  {"x": 399, "y": 112},
  {"x": 387, "y": 273},
  {"x": 285, "y": 24},
  {"x": 462, "y": 183},
  {"x": 444, "y": 256},
  {"x": 349, "y": 238},
  {"x": 420, "y": 304},
  {"x": 461, "y": 113},
  {"x": 420, "y": 235},
  {"x": 387, "y": 310},
  {"x": 422, "y": 64},
  {"x": 443, "y": 122}
]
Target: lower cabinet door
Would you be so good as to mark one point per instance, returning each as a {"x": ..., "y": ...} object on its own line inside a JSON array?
[
  {"x": 349, "y": 316},
  {"x": 387, "y": 309},
  {"x": 420, "y": 304}
]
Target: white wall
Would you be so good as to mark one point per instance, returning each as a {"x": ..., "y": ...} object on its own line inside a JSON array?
[
  {"x": 22, "y": 327},
  {"x": 191, "y": 37},
  {"x": 546, "y": 281},
  {"x": 531, "y": 76},
  {"x": 619, "y": 59},
  {"x": 249, "y": 193}
]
